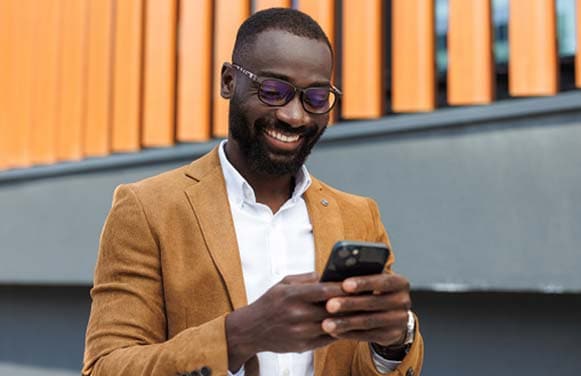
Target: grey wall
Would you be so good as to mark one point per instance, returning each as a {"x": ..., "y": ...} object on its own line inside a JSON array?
[
  {"x": 490, "y": 207},
  {"x": 482, "y": 204}
]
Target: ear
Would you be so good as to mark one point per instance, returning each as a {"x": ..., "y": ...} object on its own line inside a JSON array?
[{"x": 227, "y": 81}]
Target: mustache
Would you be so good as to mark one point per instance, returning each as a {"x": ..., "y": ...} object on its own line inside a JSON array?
[{"x": 283, "y": 127}]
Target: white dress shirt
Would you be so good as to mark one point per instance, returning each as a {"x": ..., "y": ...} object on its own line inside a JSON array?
[{"x": 271, "y": 247}]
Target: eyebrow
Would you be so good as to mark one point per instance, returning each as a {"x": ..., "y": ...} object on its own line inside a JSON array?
[{"x": 284, "y": 77}]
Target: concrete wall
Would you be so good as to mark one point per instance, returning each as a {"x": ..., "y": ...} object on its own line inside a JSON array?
[{"x": 482, "y": 204}]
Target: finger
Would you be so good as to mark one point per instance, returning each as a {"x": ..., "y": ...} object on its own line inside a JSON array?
[
  {"x": 376, "y": 320},
  {"x": 300, "y": 278},
  {"x": 376, "y": 282},
  {"x": 379, "y": 336},
  {"x": 318, "y": 292},
  {"x": 305, "y": 313},
  {"x": 306, "y": 330},
  {"x": 383, "y": 302}
]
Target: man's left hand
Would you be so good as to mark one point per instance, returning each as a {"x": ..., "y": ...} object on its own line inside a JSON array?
[{"x": 376, "y": 309}]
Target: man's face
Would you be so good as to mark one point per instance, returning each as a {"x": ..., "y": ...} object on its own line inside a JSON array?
[{"x": 277, "y": 140}]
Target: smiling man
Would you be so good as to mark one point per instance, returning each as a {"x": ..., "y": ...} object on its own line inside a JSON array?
[{"x": 211, "y": 268}]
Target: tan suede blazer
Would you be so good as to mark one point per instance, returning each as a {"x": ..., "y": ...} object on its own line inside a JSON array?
[{"x": 168, "y": 273}]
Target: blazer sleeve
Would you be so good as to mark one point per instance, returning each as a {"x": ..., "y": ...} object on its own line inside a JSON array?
[
  {"x": 362, "y": 359},
  {"x": 127, "y": 329}
]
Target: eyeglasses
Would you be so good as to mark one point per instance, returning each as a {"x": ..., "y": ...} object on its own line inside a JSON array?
[{"x": 277, "y": 93}]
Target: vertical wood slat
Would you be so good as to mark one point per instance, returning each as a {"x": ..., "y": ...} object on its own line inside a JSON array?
[
  {"x": 194, "y": 70},
  {"x": 159, "y": 73},
  {"x": 45, "y": 81},
  {"x": 127, "y": 75},
  {"x": 265, "y": 4},
  {"x": 323, "y": 11},
  {"x": 6, "y": 18},
  {"x": 229, "y": 15},
  {"x": 578, "y": 56},
  {"x": 413, "y": 56},
  {"x": 100, "y": 49},
  {"x": 470, "y": 58},
  {"x": 362, "y": 69},
  {"x": 72, "y": 80},
  {"x": 533, "y": 68},
  {"x": 20, "y": 78}
]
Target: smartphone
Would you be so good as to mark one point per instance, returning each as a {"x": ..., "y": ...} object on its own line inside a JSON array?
[{"x": 353, "y": 258}]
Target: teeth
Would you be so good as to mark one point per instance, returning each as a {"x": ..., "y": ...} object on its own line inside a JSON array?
[{"x": 281, "y": 137}]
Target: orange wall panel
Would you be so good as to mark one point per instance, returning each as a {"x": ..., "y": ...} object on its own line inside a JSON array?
[
  {"x": 70, "y": 123},
  {"x": 20, "y": 78},
  {"x": 470, "y": 58},
  {"x": 533, "y": 60},
  {"x": 194, "y": 70},
  {"x": 45, "y": 81},
  {"x": 265, "y": 4},
  {"x": 6, "y": 18},
  {"x": 362, "y": 69},
  {"x": 413, "y": 63},
  {"x": 159, "y": 73},
  {"x": 99, "y": 73},
  {"x": 229, "y": 15},
  {"x": 578, "y": 56},
  {"x": 127, "y": 67}
]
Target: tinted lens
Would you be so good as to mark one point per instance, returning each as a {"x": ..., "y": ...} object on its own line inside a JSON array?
[
  {"x": 318, "y": 99},
  {"x": 275, "y": 92}
]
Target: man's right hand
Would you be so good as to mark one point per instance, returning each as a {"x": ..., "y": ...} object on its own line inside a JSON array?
[{"x": 287, "y": 318}]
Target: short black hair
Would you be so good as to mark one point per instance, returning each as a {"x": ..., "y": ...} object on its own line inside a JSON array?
[{"x": 285, "y": 19}]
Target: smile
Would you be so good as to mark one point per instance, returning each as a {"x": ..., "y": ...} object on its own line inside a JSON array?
[{"x": 281, "y": 136}]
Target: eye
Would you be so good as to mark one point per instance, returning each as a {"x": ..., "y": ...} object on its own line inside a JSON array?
[
  {"x": 276, "y": 92},
  {"x": 317, "y": 97}
]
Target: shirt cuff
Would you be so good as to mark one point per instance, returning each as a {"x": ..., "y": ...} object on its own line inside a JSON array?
[
  {"x": 240, "y": 372},
  {"x": 382, "y": 365}
]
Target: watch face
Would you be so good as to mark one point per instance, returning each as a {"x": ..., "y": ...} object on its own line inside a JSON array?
[{"x": 411, "y": 326}]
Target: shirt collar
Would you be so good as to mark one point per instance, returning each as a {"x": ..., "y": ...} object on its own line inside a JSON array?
[{"x": 239, "y": 190}]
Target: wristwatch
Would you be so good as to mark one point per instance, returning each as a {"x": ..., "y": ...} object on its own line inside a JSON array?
[{"x": 398, "y": 352}]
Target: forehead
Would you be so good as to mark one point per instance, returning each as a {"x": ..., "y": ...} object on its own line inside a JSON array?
[{"x": 302, "y": 60}]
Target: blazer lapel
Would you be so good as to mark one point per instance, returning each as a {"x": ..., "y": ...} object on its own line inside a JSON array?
[
  {"x": 327, "y": 230},
  {"x": 209, "y": 201}
]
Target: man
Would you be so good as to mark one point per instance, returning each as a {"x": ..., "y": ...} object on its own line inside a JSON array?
[{"x": 208, "y": 269}]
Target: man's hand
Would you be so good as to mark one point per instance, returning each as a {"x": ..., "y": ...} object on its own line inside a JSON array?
[
  {"x": 287, "y": 318},
  {"x": 376, "y": 310}
]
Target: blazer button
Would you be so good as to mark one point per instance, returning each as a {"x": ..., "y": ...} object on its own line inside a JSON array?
[
  {"x": 410, "y": 372},
  {"x": 205, "y": 371}
]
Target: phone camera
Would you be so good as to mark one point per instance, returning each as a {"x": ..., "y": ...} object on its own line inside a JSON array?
[{"x": 350, "y": 261}]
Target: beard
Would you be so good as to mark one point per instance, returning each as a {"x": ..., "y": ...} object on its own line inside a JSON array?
[{"x": 260, "y": 157}]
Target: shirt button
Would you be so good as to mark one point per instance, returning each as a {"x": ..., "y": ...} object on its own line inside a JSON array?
[{"x": 285, "y": 372}]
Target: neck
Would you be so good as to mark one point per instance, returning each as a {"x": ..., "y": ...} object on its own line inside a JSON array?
[{"x": 271, "y": 190}]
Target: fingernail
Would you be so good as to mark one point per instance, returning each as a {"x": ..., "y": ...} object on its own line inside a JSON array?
[
  {"x": 350, "y": 285},
  {"x": 329, "y": 326},
  {"x": 333, "y": 306}
]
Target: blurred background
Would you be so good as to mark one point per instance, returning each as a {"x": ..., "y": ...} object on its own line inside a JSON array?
[{"x": 462, "y": 118}]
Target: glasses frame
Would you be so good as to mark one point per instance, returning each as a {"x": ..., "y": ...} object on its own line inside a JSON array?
[{"x": 255, "y": 78}]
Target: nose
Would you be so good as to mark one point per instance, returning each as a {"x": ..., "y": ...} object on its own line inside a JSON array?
[{"x": 293, "y": 113}]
